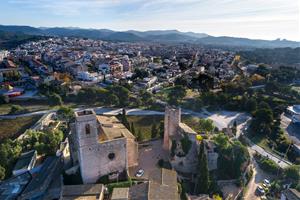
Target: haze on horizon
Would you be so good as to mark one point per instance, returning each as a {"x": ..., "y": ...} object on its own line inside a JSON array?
[{"x": 256, "y": 19}]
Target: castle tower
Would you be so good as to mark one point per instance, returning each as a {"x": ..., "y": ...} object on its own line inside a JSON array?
[
  {"x": 171, "y": 124},
  {"x": 101, "y": 146},
  {"x": 86, "y": 128}
]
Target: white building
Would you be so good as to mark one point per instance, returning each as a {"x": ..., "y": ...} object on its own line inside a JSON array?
[
  {"x": 86, "y": 76},
  {"x": 3, "y": 54},
  {"x": 294, "y": 111}
]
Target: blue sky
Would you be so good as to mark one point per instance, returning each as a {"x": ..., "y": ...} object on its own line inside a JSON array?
[{"x": 263, "y": 19}]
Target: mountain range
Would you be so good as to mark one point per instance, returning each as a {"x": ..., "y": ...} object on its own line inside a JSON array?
[{"x": 162, "y": 36}]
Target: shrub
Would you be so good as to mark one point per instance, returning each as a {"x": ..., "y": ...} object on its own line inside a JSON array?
[
  {"x": 2, "y": 173},
  {"x": 160, "y": 162},
  {"x": 55, "y": 100},
  {"x": 292, "y": 172},
  {"x": 16, "y": 109},
  {"x": 268, "y": 165},
  {"x": 186, "y": 144},
  {"x": 123, "y": 184}
]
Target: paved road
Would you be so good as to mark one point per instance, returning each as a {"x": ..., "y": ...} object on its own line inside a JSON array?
[
  {"x": 258, "y": 176},
  {"x": 277, "y": 159},
  {"x": 42, "y": 112}
]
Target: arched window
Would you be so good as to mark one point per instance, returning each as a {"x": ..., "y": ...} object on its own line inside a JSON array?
[{"x": 87, "y": 129}]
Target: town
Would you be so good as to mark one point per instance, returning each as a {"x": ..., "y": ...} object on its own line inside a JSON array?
[{"x": 94, "y": 119}]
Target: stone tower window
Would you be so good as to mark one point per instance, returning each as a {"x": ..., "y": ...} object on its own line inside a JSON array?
[
  {"x": 111, "y": 156},
  {"x": 87, "y": 129}
]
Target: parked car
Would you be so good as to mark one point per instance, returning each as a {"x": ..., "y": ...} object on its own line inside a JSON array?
[
  {"x": 267, "y": 183},
  {"x": 140, "y": 173},
  {"x": 260, "y": 190}
]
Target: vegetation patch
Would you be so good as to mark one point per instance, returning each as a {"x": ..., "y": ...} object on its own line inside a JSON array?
[{"x": 12, "y": 128}]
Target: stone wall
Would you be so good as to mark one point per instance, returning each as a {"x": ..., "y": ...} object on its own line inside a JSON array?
[
  {"x": 95, "y": 160},
  {"x": 132, "y": 152},
  {"x": 171, "y": 124}
]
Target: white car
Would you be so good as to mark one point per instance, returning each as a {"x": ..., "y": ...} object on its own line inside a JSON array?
[
  {"x": 260, "y": 190},
  {"x": 140, "y": 173},
  {"x": 267, "y": 183}
]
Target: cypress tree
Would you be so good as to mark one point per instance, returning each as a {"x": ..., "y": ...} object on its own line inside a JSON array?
[
  {"x": 139, "y": 136},
  {"x": 132, "y": 128},
  {"x": 154, "y": 131},
  {"x": 161, "y": 129},
  {"x": 202, "y": 184}
]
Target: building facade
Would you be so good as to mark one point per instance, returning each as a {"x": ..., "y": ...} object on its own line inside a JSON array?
[{"x": 101, "y": 146}]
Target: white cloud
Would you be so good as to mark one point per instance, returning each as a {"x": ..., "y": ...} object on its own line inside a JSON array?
[{"x": 256, "y": 18}]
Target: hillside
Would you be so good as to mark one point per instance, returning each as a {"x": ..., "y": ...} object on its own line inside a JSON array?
[
  {"x": 10, "y": 40},
  {"x": 278, "y": 56},
  {"x": 163, "y": 36}
]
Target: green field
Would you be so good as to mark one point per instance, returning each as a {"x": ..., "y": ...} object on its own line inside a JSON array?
[
  {"x": 31, "y": 106},
  {"x": 144, "y": 123},
  {"x": 12, "y": 128}
]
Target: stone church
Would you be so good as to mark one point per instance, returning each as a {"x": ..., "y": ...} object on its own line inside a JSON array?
[{"x": 101, "y": 146}]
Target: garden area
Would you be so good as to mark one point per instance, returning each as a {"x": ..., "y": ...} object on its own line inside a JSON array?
[
  {"x": 12, "y": 128},
  {"x": 146, "y": 124}
]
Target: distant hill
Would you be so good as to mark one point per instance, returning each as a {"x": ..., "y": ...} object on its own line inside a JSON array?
[
  {"x": 277, "y": 56},
  {"x": 232, "y": 41},
  {"x": 10, "y": 40},
  {"x": 163, "y": 36}
]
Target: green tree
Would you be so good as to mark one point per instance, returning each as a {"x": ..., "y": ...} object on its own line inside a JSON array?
[
  {"x": 262, "y": 122},
  {"x": 173, "y": 148},
  {"x": 65, "y": 113},
  {"x": 16, "y": 109},
  {"x": 202, "y": 184},
  {"x": 122, "y": 93},
  {"x": 124, "y": 119},
  {"x": 2, "y": 173},
  {"x": 154, "y": 131},
  {"x": 161, "y": 129},
  {"x": 132, "y": 129},
  {"x": 176, "y": 95},
  {"x": 44, "y": 142},
  {"x": 293, "y": 172},
  {"x": 251, "y": 105},
  {"x": 186, "y": 144},
  {"x": 139, "y": 136},
  {"x": 55, "y": 100},
  {"x": 206, "y": 125},
  {"x": 9, "y": 152},
  {"x": 146, "y": 97}
]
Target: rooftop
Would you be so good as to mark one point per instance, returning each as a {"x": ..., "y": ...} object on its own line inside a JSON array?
[
  {"x": 120, "y": 194},
  {"x": 82, "y": 192},
  {"x": 11, "y": 188},
  {"x": 162, "y": 185},
  {"x": 186, "y": 128},
  {"x": 41, "y": 180},
  {"x": 112, "y": 129},
  {"x": 24, "y": 160}
]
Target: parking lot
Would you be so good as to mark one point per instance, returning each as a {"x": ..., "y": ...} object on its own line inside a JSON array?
[{"x": 149, "y": 154}]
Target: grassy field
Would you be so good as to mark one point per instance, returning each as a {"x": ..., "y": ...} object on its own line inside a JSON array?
[
  {"x": 12, "y": 128},
  {"x": 31, "y": 106},
  {"x": 144, "y": 123}
]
